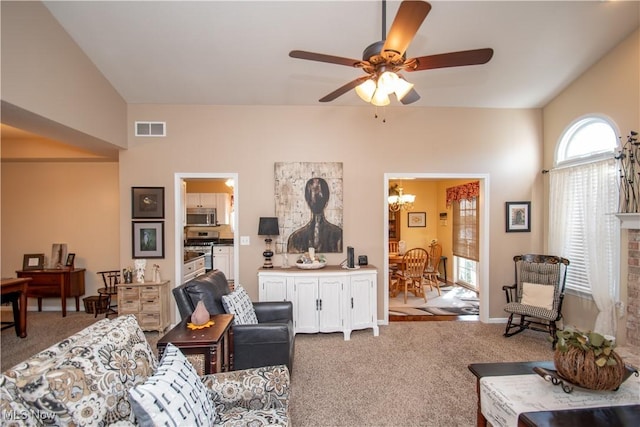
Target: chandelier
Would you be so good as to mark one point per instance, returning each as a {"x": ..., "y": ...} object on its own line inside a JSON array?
[{"x": 400, "y": 200}]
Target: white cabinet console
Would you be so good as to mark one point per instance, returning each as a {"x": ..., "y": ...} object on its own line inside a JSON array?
[{"x": 331, "y": 299}]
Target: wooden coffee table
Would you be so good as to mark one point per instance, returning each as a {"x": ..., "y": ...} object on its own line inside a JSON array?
[{"x": 210, "y": 350}]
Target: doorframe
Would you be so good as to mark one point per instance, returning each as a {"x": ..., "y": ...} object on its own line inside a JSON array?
[
  {"x": 483, "y": 208},
  {"x": 179, "y": 206}
]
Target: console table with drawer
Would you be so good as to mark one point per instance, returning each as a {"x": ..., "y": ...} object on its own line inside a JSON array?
[
  {"x": 60, "y": 283},
  {"x": 149, "y": 301}
]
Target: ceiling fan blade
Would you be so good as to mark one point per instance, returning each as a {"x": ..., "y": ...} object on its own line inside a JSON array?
[
  {"x": 405, "y": 26},
  {"x": 410, "y": 97},
  {"x": 452, "y": 59},
  {"x": 344, "y": 89},
  {"x": 320, "y": 57}
]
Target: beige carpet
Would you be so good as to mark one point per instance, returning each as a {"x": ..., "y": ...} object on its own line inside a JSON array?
[{"x": 413, "y": 374}]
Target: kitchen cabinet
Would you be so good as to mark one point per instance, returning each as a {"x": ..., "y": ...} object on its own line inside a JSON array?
[
  {"x": 193, "y": 268},
  {"x": 222, "y": 256},
  {"x": 220, "y": 201},
  {"x": 331, "y": 299},
  {"x": 201, "y": 200},
  {"x": 223, "y": 208},
  {"x": 149, "y": 301}
]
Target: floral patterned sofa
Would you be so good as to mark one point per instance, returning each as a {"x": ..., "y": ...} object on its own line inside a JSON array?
[{"x": 107, "y": 374}]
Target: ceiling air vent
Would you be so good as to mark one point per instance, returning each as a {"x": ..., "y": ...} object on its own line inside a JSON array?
[{"x": 151, "y": 129}]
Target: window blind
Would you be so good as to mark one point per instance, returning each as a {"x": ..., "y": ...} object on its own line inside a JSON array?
[{"x": 466, "y": 229}]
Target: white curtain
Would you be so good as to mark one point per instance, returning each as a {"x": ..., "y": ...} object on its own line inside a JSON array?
[{"x": 582, "y": 228}]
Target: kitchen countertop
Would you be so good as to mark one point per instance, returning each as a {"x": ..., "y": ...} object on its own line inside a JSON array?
[{"x": 192, "y": 256}]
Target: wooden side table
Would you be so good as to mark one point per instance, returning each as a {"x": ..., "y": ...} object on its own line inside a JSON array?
[
  {"x": 210, "y": 350},
  {"x": 60, "y": 283}
]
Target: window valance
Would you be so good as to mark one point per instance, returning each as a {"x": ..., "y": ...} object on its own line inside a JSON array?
[{"x": 463, "y": 192}]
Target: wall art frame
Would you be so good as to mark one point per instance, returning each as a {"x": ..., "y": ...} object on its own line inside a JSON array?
[
  {"x": 147, "y": 239},
  {"x": 416, "y": 219},
  {"x": 518, "y": 217},
  {"x": 33, "y": 262},
  {"x": 147, "y": 202}
]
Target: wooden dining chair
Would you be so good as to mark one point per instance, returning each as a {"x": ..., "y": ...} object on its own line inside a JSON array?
[
  {"x": 393, "y": 268},
  {"x": 410, "y": 272},
  {"x": 109, "y": 293},
  {"x": 431, "y": 276}
]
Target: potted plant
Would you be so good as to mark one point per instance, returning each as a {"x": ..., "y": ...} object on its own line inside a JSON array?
[{"x": 588, "y": 359}]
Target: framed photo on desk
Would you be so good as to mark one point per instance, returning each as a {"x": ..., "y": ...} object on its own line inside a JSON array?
[
  {"x": 70, "y": 260},
  {"x": 33, "y": 262}
]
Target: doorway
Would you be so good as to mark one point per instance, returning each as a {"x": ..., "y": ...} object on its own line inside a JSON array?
[
  {"x": 180, "y": 180},
  {"x": 483, "y": 209}
]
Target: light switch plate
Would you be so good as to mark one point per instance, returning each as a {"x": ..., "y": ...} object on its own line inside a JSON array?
[{"x": 244, "y": 240}]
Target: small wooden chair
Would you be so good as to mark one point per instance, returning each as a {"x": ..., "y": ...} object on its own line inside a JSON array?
[
  {"x": 111, "y": 278},
  {"x": 410, "y": 272},
  {"x": 432, "y": 272}
]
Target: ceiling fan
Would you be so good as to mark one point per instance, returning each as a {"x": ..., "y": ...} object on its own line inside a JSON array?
[{"x": 383, "y": 61}]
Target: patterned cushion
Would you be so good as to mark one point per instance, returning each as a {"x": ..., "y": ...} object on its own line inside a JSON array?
[
  {"x": 13, "y": 411},
  {"x": 537, "y": 295},
  {"x": 88, "y": 384},
  {"x": 239, "y": 304},
  {"x": 173, "y": 396}
]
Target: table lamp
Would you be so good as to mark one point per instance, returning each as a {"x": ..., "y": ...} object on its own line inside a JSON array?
[{"x": 268, "y": 226}]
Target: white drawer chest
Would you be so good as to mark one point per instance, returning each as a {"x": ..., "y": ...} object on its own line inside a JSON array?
[
  {"x": 149, "y": 301},
  {"x": 331, "y": 299}
]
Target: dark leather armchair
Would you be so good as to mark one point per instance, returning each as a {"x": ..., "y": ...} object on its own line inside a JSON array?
[{"x": 270, "y": 342}]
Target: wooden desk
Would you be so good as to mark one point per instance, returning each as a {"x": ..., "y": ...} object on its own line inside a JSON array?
[
  {"x": 19, "y": 286},
  {"x": 63, "y": 283},
  {"x": 209, "y": 350},
  {"x": 617, "y": 416}
]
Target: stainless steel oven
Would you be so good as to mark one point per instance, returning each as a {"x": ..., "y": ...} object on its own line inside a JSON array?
[{"x": 198, "y": 240}]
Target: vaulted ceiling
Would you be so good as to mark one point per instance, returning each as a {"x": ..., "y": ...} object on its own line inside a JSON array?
[{"x": 236, "y": 52}]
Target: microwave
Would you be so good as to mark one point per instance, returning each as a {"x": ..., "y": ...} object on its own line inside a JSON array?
[{"x": 201, "y": 216}]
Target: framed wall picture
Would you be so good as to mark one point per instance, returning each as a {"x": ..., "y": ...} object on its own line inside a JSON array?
[
  {"x": 33, "y": 262},
  {"x": 147, "y": 202},
  {"x": 148, "y": 239},
  {"x": 416, "y": 219},
  {"x": 518, "y": 216}
]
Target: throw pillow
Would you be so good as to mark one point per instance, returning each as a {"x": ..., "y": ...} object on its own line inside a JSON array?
[
  {"x": 239, "y": 304},
  {"x": 174, "y": 395},
  {"x": 537, "y": 295}
]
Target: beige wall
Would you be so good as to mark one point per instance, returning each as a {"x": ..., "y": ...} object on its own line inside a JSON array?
[
  {"x": 507, "y": 145},
  {"x": 249, "y": 140},
  {"x": 72, "y": 203},
  {"x": 612, "y": 88},
  {"x": 50, "y": 85}
]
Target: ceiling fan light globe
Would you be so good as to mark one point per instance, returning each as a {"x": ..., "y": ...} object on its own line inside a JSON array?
[
  {"x": 387, "y": 82},
  {"x": 366, "y": 89},
  {"x": 380, "y": 98},
  {"x": 403, "y": 87}
]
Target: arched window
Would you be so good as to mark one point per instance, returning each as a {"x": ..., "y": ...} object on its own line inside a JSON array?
[
  {"x": 583, "y": 196},
  {"x": 587, "y": 139}
]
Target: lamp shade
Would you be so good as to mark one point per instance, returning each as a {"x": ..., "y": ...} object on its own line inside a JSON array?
[{"x": 268, "y": 226}]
